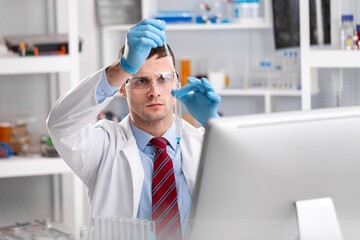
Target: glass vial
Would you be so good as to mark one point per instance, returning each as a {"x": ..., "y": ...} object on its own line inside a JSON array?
[{"x": 347, "y": 32}]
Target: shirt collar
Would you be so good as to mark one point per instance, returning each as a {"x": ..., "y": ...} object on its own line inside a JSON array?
[{"x": 142, "y": 138}]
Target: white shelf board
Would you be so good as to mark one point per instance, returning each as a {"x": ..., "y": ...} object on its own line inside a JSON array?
[
  {"x": 193, "y": 26},
  {"x": 334, "y": 58},
  {"x": 38, "y": 64},
  {"x": 18, "y": 166},
  {"x": 259, "y": 92}
]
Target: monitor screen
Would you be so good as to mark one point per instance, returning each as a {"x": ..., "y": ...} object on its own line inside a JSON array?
[{"x": 253, "y": 169}]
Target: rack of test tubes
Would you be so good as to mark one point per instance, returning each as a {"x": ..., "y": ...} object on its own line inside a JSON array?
[
  {"x": 118, "y": 228},
  {"x": 274, "y": 72}
]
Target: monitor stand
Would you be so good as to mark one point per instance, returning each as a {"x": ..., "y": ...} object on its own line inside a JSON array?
[{"x": 317, "y": 219}]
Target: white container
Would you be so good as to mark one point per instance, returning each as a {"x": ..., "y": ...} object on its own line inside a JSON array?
[
  {"x": 217, "y": 80},
  {"x": 245, "y": 10},
  {"x": 253, "y": 9}
]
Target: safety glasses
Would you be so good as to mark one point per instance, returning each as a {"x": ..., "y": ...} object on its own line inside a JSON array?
[{"x": 141, "y": 83}]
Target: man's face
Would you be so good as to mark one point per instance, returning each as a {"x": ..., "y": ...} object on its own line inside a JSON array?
[{"x": 155, "y": 103}]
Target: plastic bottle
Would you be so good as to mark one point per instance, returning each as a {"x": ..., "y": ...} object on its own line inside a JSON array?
[
  {"x": 253, "y": 9},
  {"x": 185, "y": 70},
  {"x": 22, "y": 49},
  {"x": 245, "y": 10},
  {"x": 238, "y": 12},
  {"x": 347, "y": 32}
]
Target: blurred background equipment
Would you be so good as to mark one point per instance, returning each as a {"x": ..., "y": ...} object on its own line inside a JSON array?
[
  {"x": 39, "y": 229},
  {"x": 44, "y": 44},
  {"x": 287, "y": 22},
  {"x": 5, "y": 150},
  {"x": 118, "y": 11},
  {"x": 47, "y": 147},
  {"x": 16, "y": 135}
]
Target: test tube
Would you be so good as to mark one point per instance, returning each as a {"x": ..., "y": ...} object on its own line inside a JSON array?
[
  {"x": 96, "y": 223},
  {"x": 100, "y": 227},
  {"x": 177, "y": 106},
  {"x": 127, "y": 227},
  {"x": 108, "y": 228},
  {"x": 178, "y": 115},
  {"x": 150, "y": 230},
  {"x": 143, "y": 224},
  {"x": 118, "y": 230},
  {"x": 87, "y": 233}
]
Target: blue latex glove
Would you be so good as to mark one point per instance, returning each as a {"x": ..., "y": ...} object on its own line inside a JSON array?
[
  {"x": 140, "y": 39},
  {"x": 200, "y": 99}
]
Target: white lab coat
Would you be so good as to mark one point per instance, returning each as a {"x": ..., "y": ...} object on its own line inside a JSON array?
[{"x": 105, "y": 156}]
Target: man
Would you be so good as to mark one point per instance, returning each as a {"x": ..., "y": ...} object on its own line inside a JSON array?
[{"x": 122, "y": 164}]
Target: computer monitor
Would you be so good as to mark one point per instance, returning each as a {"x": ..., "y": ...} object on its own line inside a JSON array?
[{"x": 253, "y": 169}]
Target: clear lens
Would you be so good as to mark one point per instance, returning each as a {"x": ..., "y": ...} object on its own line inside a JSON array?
[{"x": 140, "y": 83}]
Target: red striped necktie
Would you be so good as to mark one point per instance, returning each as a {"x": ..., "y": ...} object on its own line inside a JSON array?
[{"x": 165, "y": 210}]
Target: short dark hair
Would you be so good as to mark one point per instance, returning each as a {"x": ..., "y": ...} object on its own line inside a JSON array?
[{"x": 159, "y": 51}]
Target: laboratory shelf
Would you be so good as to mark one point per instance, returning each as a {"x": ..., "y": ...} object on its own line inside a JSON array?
[
  {"x": 34, "y": 64},
  {"x": 67, "y": 189},
  {"x": 334, "y": 58},
  {"x": 259, "y": 92},
  {"x": 195, "y": 27},
  {"x": 21, "y": 166}
]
